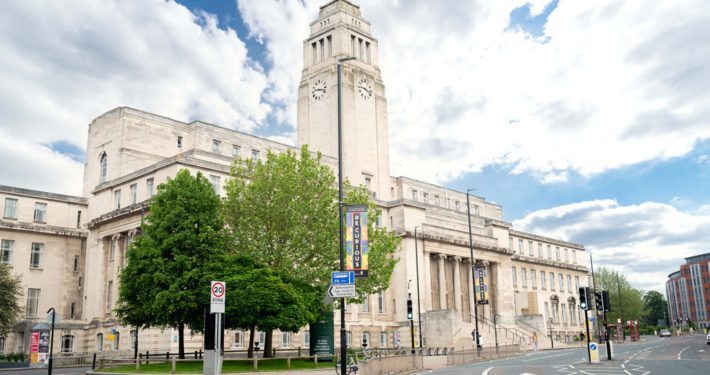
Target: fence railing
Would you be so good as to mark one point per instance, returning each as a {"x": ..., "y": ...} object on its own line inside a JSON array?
[
  {"x": 391, "y": 364},
  {"x": 458, "y": 357}
]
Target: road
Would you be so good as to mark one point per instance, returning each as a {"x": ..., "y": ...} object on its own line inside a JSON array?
[
  {"x": 685, "y": 355},
  {"x": 43, "y": 371}
]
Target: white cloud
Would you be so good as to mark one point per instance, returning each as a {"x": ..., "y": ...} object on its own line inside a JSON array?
[
  {"x": 645, "y": 241},
  {"x": 64, "y": 63}
]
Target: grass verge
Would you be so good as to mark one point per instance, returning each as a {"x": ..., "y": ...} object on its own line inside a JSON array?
[{"x": 240, "y": 365}]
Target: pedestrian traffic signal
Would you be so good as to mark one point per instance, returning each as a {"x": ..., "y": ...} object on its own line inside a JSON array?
[
  {"x": 598, "y": 300},
  {"x": 410, "y": 314},
  {"x": 584, "y": 298},
  {"x": 605, "y": 301}
]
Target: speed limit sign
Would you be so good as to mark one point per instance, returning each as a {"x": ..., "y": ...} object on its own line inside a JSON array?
[{"x": 217, "y": 297}]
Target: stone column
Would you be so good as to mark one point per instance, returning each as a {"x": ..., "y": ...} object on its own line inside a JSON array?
[
  {"x": 442, "y": 282},
  {"x": 457, "y": 284},
  {"x": 427, "y": 303}
]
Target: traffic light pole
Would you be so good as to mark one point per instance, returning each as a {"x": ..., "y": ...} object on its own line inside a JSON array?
[
  {"x": 586, "y": 324},
  {"x": 606, "y": 337},
  {"x": 411, "y": 332}
]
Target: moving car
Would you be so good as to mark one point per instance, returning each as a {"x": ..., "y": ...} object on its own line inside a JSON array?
[
  {"x": 665, "y": 333},
  {"x": 708, "y": 338}
]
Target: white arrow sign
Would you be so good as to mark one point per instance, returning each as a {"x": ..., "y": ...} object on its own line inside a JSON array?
[{"x": 342, "y": 290}]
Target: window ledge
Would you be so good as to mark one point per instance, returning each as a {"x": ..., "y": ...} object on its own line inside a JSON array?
[
  {"x": 39, "y": 222},
  {"x": 9, "y": 218},
  {"x": 36, "y": 268}
]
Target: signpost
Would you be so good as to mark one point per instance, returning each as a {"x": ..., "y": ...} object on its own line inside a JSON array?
[
  {"x": 342, "y": 277},
  {"x": 342, "y": 291},
  {"x": 212, "y": 363}
]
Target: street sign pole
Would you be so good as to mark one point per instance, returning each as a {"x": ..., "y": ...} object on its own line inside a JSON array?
[{"x": 586, "y": 323}]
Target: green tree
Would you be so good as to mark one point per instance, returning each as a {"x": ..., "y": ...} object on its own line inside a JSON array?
[
  {"x": 631, "y": 301},
  {"x": 10, "y": 297},
  {"x": 166, "y": 280},
  {"x": 284, "y": 212},
  {"x": 656, "y": 306}
]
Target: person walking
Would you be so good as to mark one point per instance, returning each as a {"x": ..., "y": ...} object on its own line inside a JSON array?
[
  {"x": 581, "y": 337},
  {"x": 534, "y": 341}
]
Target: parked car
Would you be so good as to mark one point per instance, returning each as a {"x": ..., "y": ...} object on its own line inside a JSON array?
[
  {"x": 708, "y": 338},
  {"x": 665, "y": 333}
]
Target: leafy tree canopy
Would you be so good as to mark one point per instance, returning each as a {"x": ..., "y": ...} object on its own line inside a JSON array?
[
  {"x": 10, "y": 297},
  {"x": 631, "y": 301},
  {"x": 656, "y": 307}
]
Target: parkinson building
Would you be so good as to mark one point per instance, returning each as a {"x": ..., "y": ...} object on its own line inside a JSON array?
[{"x": 69, "y": 250}]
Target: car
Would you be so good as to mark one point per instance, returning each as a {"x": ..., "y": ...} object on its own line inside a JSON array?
[
  {"x": 708, "y": 338},
  {"x": 665, "y": 333}
]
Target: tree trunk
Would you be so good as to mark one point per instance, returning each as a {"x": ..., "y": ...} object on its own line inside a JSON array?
[
  {"x": 181, "y": 340},
  {"x": 268, "y": 344},
  {"x": 250, "y": 351}
]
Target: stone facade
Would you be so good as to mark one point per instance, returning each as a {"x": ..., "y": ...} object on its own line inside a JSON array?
[{"x": 130, "y": 152}]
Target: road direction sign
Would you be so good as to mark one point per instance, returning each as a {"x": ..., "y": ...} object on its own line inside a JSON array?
[
  {"x": 342, "y": 277},
  {"x": 217, "y": 297},
  {"x": 342, "y": 290}
]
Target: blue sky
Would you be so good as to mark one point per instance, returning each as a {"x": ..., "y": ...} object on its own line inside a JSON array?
[{"x": 586, "y": 121}]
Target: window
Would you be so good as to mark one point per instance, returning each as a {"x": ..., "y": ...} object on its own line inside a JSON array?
[
  {"x": 476, "y": 210},
  {"x": 36, "y": 255},
  {"x": 521, "y": 246},
  {"x": 552, "y": 281},
  {"x": 436, "y": 200},
  {"x": 576, "y": 283},
  {"x": 564, "y": 313},
  {"x": 109, "y": 296},
  {"x": 547, "y": 311},
  {"x": 103, "y": 168},
  {"x": 40, "y": 212},
  {"x": 216, "y": 146},
  {"x": 456, "y": 205},
  {"x": 381, "y": 302},
  {"x": 425, "y": 197},
  {"x": 72, "y": 311},
  {"x": 391, "y": 191},
  {"x": 285, "y": 339},
  {"x": 262, "y": 337},
  {"x": 6, "y": 251},
  {"x": 549, "y": 252},
  {"x": 99, "y": 342},
  {"x": 510, "y": 244},
  {"x": 2, "y": 345},
  {"x": 179, "y": 141},
  {"x": 132, "y": 335},
  {"x": 569, "y": 283},
  {"x": 67, "y": 344},
  {"x": 567, "y": 255},
  {"x": 515, "y": 278},
  {"x": 349, "y": 338},
  {"x": 117, "y": 199},
  {"x": 530, "y": 248},
  {"x": 238, "y": 339},
  {"x": 149, "y": 187},
  {"x": 383, "y": 339},
  {"x": 78, "y": 219},
  {"x": 306, "y": 339},
  {"x": 76, "y": 263},
  {"x": 574, "y": 256},
  {"x": 116, "y": 340},
  {"x": 214, "y": 180},
  {"x": 572, "y": 315},
  {"x": 524, "y": 277},
  {"x": 32, "y": 302},
  {"x": 533, "y": 279},
  {"x": 10, "y": 208},
  {"x": 557, "y": 253},
  {"x": 543, "y": 281},
  {"x": 134, "y": 193},
  {"x": 365, "y": 306},
  {"x": 112, "y": 251},
  {"x": 368, "y": 181},
  {"x": 236, "y": 151},
  {"x": 561, "y": 282},
  {"x": 365, "y": 338},
  {"x": 254, "y": 155},
  {"x": 414, "y": 195}
]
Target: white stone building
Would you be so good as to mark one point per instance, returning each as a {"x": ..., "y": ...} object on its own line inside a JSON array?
[{"x": 69, "y": 250}]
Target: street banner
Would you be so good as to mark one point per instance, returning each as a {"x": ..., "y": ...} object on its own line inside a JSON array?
[
  {"x": 481, "y": 286},
  {"x": 356, "y": 240},
  {"x": 34, "y": 348}
]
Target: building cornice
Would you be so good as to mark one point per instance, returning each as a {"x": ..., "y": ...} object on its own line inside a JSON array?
[
  {"x": 43, "y": 195},
  {"x": 536, "y": 237},
  {"x": 42, "y": 228}
]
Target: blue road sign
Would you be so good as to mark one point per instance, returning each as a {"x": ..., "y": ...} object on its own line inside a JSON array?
[
  {"x": 593, "y": 346},
  {"x": 342, "y": 277}
]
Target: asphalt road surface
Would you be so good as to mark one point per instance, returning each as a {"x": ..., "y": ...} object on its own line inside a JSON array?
[
  {"x": 43, "y": 371},
  {"x": 685, "y": 355}
]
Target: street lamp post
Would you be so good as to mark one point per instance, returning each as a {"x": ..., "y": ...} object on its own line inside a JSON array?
[
  {"x": 549, "y": 324},
  {"x": 473, "y": 268},
  {"x": 343, "y": 340},
  {"x": 51, "y": 339},
  {"x": 621, "y": 305},
  {"x": 419, "y": 304},
  {"x": 495, "y": 331}
]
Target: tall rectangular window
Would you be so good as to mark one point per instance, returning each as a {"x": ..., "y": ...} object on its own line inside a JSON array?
[
  {"x": 574, "y": 256},
  {"x": 99, "y": 342},
  {"x": 383, "y": 339},
  {"x": 36, "y": 255},
  {"x": 40, "y": 212},
  {"x": 149, "y": 187},
  {"x": 78, "y": 219},
  {"x": 365, "y": 307},
  {"x": 10, "y": 208},
  {"x": 576, "y": 283},
  {"x": 549, "y": 252},
  {"x": 179, "y": 141},
  {"x": 6, "y": 251},
  {"x": 436, "y": 200},
  {"x": 557, "y": 253},
  {"x": 132, "y": 335},
  {"x": 67, "y": 344},
  {"x": 32, "y": 302},
  {"x": 552, "y": 281},
  {"x": 414, "y": 195},
  {"x": 112, "y": 251},
  {"x": 306, "y": 339},
  {"x": 285, "y": 339},
  {"x": 521, "y": 247},
  {"x": 543, "y": 281},
  {"x": 216, "y": 146},
  {"x": 476, "y": 210},
  {"x": 533, "y": 279},
  {"x": 72, "y": 311},
  {"x": 524, "y": 277},
  {"x": 515, "y": 277},
  {"x": 381, "y": 302},
  {"x": 567, "y": 255},
  {"x": 561, "y": 282},
  {"x": 254, "y": 155},
  {"x": 569, "y": 283},
  {"x": 109, "y": 296},
  {"x": 539, "y": 250},
  {"x": 117, "y": 341},
  {"x": 215, "y": 181},
  {"x": 134, "y": 193},
  {"x": 117, "y": 199},
  {"x": 530, "y": 248},
  {"x": 510, "y": 244},
  {"x": 236, "y": 151}
]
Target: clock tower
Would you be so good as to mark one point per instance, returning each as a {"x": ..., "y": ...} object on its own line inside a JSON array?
[{"x": 339, "y": 32}]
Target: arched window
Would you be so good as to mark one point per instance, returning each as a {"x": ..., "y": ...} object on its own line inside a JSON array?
[
  {"x": 99, "y": 342},
  {"x": 103, "y": 162}
]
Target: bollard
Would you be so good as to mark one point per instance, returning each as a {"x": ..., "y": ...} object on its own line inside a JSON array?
[
  {"x": 288, "y": 362},
  {"x": 138, "y": 364},
  {"x": 195, "y": 354},
  {"x": 315, "y": 359},
  {"x": 256, "y": 363},
  {"x": 93, "y": 363},
  {"x": 167, "y": 355},
  {"x": 173, "y": 365},
  {"x": 101, "y": 363}
]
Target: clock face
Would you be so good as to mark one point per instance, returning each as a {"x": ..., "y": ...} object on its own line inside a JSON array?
[
  {"x": 318, "y": 91},
  {"x": 364, "y": 88}
]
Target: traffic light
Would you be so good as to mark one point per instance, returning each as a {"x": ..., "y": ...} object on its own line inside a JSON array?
[
  {"x": 605, "y": 301},
  {"x": 410, "y": 314},
  {"x": 598, "y": 301},
  {"x": 584, "y": 298}
]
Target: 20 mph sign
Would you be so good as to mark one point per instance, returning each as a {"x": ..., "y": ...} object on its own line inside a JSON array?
[{"x": 217, "y": 299}]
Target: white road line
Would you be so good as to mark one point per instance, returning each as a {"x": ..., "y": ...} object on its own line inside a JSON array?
[
  {"x": 627, "y": 372},
  {"x": 549, "y": 356},
  {"x": 681, "y": 352},
  {"x": 486, "y": 371}
]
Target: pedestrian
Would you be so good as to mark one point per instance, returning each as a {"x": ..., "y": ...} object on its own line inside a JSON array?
[
  {"x": 581, "y": 336},
  {"x": 534, "y": 341}
]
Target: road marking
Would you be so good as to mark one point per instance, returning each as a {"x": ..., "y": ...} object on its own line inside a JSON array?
[
  {"x": 681, "y": 352},
  {"x": 486, "y": 371},
  {"x": 550, "y": 356}
]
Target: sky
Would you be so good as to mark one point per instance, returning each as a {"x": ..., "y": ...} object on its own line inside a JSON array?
[{"x": 586, "y": 120}]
